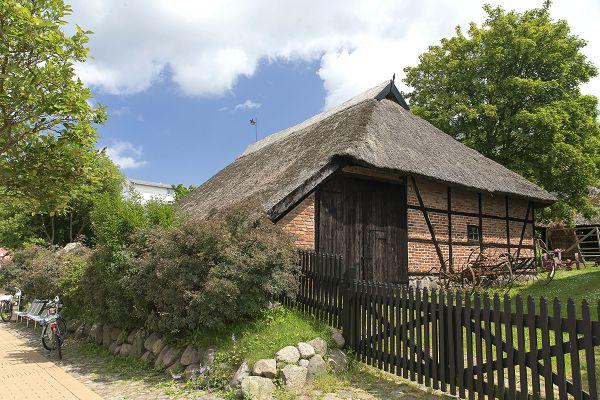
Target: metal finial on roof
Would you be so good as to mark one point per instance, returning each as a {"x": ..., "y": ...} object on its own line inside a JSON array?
[{"x": 393, "y": 77}]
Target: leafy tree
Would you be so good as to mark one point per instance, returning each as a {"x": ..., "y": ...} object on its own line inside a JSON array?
[
  {"x": 181, "y": 191},
  {"x": 510, "y": 89},
  {"x": 47, "y": 133}
]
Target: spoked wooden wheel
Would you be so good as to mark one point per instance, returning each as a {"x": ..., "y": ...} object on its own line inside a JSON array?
[{"x": 6, "y": 310}]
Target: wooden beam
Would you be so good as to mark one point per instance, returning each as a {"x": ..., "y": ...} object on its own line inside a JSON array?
[
  {"x": 466, "y": 213},
  {"x": 507, "y": 225},
  {"x": 450, "y": 258},
  {"x": 480, "y": 222},
  {"x": 463, "y": 243},
  {"x": 428, "y": 222},
  {"x": 529, "y": 206},
  {"x": 301, "y": 192}
]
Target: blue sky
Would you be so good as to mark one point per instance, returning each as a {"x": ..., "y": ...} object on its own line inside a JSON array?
[
  {"x": 184, "y": 139},
  {"x": 182, "y": 78}
]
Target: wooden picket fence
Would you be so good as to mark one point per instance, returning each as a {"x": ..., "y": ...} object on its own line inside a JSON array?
[{"x": 470, "y": 346}]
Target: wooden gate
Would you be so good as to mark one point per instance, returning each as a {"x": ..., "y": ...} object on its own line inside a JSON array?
[{"x": 468, "y": 346}]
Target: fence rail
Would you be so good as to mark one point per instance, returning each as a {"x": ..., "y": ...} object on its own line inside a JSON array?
[{"x": 471, "y": 346}]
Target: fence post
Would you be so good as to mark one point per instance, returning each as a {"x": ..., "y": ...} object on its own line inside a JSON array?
[{"x": 348, "y": 323}]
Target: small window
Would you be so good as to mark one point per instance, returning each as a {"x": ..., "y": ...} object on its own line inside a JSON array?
[{"x": 473, "y": 233}]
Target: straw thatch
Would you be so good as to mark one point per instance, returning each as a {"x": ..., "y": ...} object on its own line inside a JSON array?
[{"x": 370, "y": 130}]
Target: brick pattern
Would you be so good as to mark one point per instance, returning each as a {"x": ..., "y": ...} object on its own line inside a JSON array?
[
  {"x": 300, "y": 222},
  {"x": 422, "y": 257}
]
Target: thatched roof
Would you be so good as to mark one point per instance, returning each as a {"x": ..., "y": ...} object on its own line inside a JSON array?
[{"x": 374, "y": 129}]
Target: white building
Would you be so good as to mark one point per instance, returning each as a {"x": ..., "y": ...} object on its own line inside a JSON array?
[{"x": 148, "y": 190}]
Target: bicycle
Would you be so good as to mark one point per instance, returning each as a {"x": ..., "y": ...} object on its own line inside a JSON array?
[
  {"x": 6, "y": 305},
  {"x": 54, "y": 328}
]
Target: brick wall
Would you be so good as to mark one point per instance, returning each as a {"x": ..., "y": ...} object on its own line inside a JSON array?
[
  {"x": 300, "y": 222},
  {"x": 422, "y": 257}
]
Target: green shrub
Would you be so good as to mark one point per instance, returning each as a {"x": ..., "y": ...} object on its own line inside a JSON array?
[{"x": 208, "y": 273}]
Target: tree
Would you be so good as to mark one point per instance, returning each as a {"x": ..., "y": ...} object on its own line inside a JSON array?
[
  {"x": 47, "y": 132},
  {"x": 181, "y": 191},
  {"x": 510, "y": 89}
]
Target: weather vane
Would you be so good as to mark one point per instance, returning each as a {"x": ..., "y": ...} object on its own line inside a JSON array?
[{"x": 255, "y": 123}]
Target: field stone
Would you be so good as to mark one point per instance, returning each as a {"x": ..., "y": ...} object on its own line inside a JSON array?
[
  {"x": 191, "y": 371},
  {"x": 316, "y": 367},
  {"x": 266, "y": 367},
  {"x": 125, "y": 350},
  {"x": 137, "y": 346},
  {"x": 258, "y": 388},
  {"x": 148, "y": 357},
  {"x": 319, "y": 345},
  {"x": 87, "y": 328},
  {"x": 191, "y": 355},
  {"x": 306, "y": 350},
  {"x": 132, "y": 335},
  {"x": 158, "y": 347},
  {"x": 106, "y": 340},
  {"x": 112, "y": 347},
  {"x": 168, "y": 356},
  {"x": 208, "y": 357},
  {"x": 289, "y": 354},
  {"x": 337, "y": 360},
  {"x": 80, "y": 332},
  {"x": 96, "y": 333},
  {"x": 174, "y": 369},
  {"x": 115, "y": 333},
  {"x": 242, "y": 372},
  {"x": 338, "y": 338},
  {"x": 117, "y": 350},
  {"x": 72, "y": 325},
  {"x": 294, "y": 377},
  {"x": 149, "y": 343},
  {"x": 303, "y": 362}
]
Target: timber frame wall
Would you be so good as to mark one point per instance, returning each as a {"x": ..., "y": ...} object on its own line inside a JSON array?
[{"x": 438, "y": 216}]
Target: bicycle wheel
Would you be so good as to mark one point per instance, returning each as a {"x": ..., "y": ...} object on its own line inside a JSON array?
[
  {"x": 48, "y": 338},
  {"x": 6, "y": 310}
]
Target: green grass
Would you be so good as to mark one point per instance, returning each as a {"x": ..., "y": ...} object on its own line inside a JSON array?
[
  {"x": 263, "y": 337},
  {"x": 583, "y": 284}
]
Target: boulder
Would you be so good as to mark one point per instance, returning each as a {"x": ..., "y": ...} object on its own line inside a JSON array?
[
  {"x": 242, "y": 372},
  {"x": 208, "y": 357},
  {"x": 96, "y": 333},
  {"x": 337, "y": 360},
  {"x": 115, "y": 333},
  {"x": 132, "y": 335},
  {"x": 191, "y": 355},
  {"x": 112, "y": 347},
  {"x": 80, "y": 332},
  {"x": 258, "y": 388},
  {"x": 316, "y": 367},
  {"x": 266, "y": 367},
  {"x": 294, "y": 377},
  {"x": 303, "y": 362},
  {"x": 87, "y": 329},
  {"x": 319, "y": 345},
  {"x": 149, "y": 343},
  {"x": 117, "y": 350},
  {"x": 137, "y": 347},
  {"x": 148, "y": 357},
  {"x": 306, "y": 350},
  {"x": 106, "y": 341},
  {"x": 175, "y": 370},
  {"x": 288, "y": 354},
  {"x": 125, "y": 350},
  {"x": 338, "y": 338},
  {"x": 158, "y": 347},
  {"x": 191, "y": 371},
  {"x": 168, "y": 356}
]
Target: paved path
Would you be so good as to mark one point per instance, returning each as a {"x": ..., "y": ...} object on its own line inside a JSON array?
[{"x": 26, "y": 374}]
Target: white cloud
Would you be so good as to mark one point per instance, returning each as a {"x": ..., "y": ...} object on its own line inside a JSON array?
[
  {"x": 126, "y": 155},
  {"x": 247, "y": 105},
  {"x": 205, "y": 46}
]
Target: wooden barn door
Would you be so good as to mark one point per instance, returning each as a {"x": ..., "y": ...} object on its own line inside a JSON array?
[{"x": 365, "y": 221}]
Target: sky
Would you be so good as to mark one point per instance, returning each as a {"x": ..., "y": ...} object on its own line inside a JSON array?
[{"x": 181, "y": 79}]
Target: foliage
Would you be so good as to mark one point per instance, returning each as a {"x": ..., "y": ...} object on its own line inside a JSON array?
[
  {"x": 114, "y": 218},
  {"x": 208, "y": 273},
  {"x": 42, "y": 272},
  {"x": 47, "y": 132},
  {"x": 181, "y": 191},
  {"x": 510, "y": 89}
]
